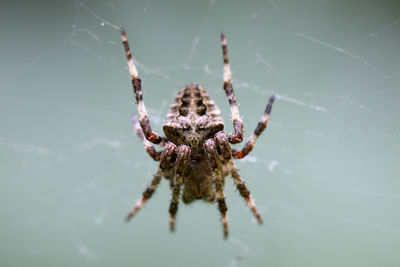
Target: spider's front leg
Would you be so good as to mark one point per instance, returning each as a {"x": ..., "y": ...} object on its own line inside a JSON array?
[
  {"x": 137, "y": 87},
  {"x": 225, "y": 149},
  {"x": 210, "y": 148},
  {"x": 182, "y": 158},
  {"x": 166, "y": 162},
  {"x": 244, "y": 192}
]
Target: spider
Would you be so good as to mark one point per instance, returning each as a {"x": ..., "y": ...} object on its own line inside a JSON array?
[{"x": 197, "y": 153}]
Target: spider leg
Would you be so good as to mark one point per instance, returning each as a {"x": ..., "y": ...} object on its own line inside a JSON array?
[
  {"x": 237, "y": 137},
  {"x": 166, "y": 159},
  {"x": 147, "y": 144},
  {"x": 153, "y": 137},
  {"x": 238, "y": 154},
  {"x": 244, "y": 192},
  {"x": 218, "y": 179},
  {"x": 146, "y": 194},
  {"x": 226, "y": 153},
  {"x": 183, "y": 155}
]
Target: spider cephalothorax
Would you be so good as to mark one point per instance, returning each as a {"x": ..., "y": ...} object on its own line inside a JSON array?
[{"x": 197, "y": 153}]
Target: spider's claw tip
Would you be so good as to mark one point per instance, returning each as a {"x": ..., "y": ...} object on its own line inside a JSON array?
[
  {"x": 128, "y": 218},
  {"x": 226, "y": 235},
  {"x": 269, "y": 105},
  {"x": 172, "y": 224},
  {"x": 222, "y": 34},
  {"x": 272, "y": 98},
  {"x": 122, "y": 30}
]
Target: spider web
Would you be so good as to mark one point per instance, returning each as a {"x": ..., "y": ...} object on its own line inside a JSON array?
[{"x": 323, "y": 174}]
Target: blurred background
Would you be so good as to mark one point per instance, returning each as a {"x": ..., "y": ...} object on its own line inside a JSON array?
[{"x": 325, "y": 173}]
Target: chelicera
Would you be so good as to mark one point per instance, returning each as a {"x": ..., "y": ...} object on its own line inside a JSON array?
[{"x": 197, "y": 153}]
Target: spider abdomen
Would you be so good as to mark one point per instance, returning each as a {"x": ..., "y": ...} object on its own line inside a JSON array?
[{"x": 193, "y": 118}]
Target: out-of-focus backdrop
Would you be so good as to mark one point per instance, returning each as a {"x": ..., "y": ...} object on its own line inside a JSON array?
[{"x": 325, "y": 173}]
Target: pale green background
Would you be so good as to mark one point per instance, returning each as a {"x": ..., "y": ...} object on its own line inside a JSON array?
[{"x": 325, "y": 174}]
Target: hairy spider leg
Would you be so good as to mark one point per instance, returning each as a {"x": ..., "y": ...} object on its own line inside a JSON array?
[
  {"x": 238, "y": 154},
  {"x": 137, "y": 87},
  {"x": 146, "y": 194},
  {"x": 224, "y": 147},
  {"x": 166, "y": 160},
  {"x": 183, "y": 155},
  {"x": 244, "y": 192},
  {"x": 219, "y": 190},
  {"x": 211, "y": 152},
  {"x": 237, "y": 137},
  {"x": 148, "y": 146}
]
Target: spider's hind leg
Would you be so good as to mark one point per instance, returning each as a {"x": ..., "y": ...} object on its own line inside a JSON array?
[
  {"x": 147, "y": 144},
  {"x": 237, "y": 137},
  {"x": 137, "y": 87},
  {"x": 239, "y": 154}
]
